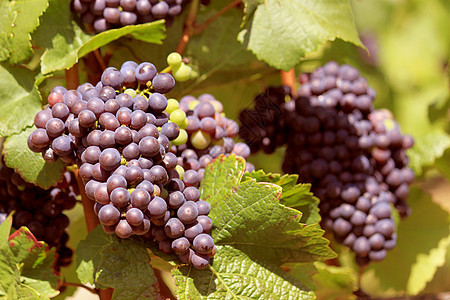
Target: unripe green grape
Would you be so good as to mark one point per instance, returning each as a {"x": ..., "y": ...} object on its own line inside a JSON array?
[
  {"x": 180, "y": 171},
  {"x": 194, "y": 74},
  {"x": 185, "y": 124},
  {"x": 193, "y": 104},
  {"x": 200, "y": 140},
  {"x": 172, "y": 104},
  {"x": 181, "y": 139},
  {"x": 182, "y": 72},
  {"x": 178, "y": 116},
  {"x": 130, "y": 92},
  {"x": 174, "y": 59}
]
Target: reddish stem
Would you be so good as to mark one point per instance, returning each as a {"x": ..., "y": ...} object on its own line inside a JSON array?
[
  {"x": 199, "y": 29},
  {"x": 288, "y": 78},
  {"x": 188, "y": 27},
  {"x": 72, "y": 79},
  {"x": 91, "y": 223}
]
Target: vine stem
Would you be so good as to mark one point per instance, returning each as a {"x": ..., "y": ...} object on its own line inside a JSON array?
[
  {"x": 91, "y": 222},
  {"x": 188, "y": 26},
  {"x": 99, "y": 58},
  {"x": 79, "y": 285},
  {"x": 72, "y": 79},
  {"x": 199, "y": 29},
  {"x": 288, "y": 78}
]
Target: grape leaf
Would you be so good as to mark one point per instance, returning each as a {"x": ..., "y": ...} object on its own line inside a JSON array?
[
  {"x": 335, "y": 282},
  {"x": 254, "y": 234},
  {"x": 234, "y": 275},
  {"x": 426, "y": 265},
  {"x": 427, "y": 149},
  {"x": 123, "y": 264},
  {"x": 281, "y": 32},
  {"x": 293, "y": 195},
  {"x": 30, "y": 165},
  {"x": 6, "y": 26},
  {"x": 26, "y": 21},
  {"x": 65, "y": 42},
  {"x": 419, "y": 236},
  {"x": 20, "y": 100},
  {"x": 25, "y": 267}
]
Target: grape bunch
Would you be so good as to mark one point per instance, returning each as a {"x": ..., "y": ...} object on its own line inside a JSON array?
[
  {"x": 263, "y": 128},
  {"x": 119, "y": 134},
  {"x": 38, "y": 209},
  {"x": 354, "y": 156},
  {"x": 205, "y": 133},
  {"x": 107, "y": 14}
]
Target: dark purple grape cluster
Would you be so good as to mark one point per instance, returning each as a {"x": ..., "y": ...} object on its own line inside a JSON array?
[
  {"x": 354, "y": 157},
  {"x": 209, "y": 134},
  {"x": 107, "y": 14},
  {"x": 40, "y": 210},
  {"x": 263, "y": 127},
  {"x": 119, "y": 134}
]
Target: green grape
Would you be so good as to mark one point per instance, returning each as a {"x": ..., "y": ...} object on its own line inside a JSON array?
[
  {"x": 182, "y": 72},
  {"x": 193, "y": 104},
  {"x": 200, "y": 140},
  {"x": 185, "y": 124},
  {"x": 130, "y": 92},
  {"x": 174, "y": 59},
  {"x": 194, "y": 74},
  {"x": 178, "y": 116},
  {"x": 172, "y": 104},
  {"x": 181, "y": 139},
  {"x": 180, "y": 171}
]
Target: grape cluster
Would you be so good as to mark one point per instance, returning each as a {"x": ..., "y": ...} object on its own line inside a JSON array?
[
  {"x": 354, "y": 156},
  {"x": 39, "y": 210},
  {"x": 205, "y": 133},
  {"x": 119, "y": 134},
  {"x": 107, "y": 14},
  {"x": 263, "y": 128}
]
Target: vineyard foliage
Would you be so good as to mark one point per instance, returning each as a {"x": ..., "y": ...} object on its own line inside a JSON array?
[{"x": 266, "y": 226}]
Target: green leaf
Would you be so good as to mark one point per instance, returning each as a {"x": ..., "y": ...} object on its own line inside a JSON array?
[
  {"x": 254, "y": 234},
  {"x": 6, "y": 26},
  {"x": 235, "y": 275},
  {"x": 427, "y": 149},
  {"x": 26, "y": 269},
  {"x": 65, "y": 42},
  {"x": 425, "y": 267},
  {"x": 123, "y": 264},
  {"x": 30, "y": 165},
  {"x": 335, "y": 282},
  {"x": 293, "y": 195},
  {"x": 28, "y": 13},
  {"x": 19, "y": 99},
  {"x": 419, "y": 238},
  {"x": 282, "y": 32}
]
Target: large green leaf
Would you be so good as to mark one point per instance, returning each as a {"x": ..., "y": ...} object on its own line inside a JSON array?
[
  {"x": 30, "y": 165},
  {"x": 235, "y": 275},
  {"x": 19, "y": 99},
  {"x": 26, "y": 269},
  {"x": 65, "y": 42},
  {"x": 293, "y": 195},
  {"x": 282, "y": 32},
  {"x": 123, "y": 264},
  {"x": 28, "y": 13},
  {"x": 6, "y": 26},
  {"x": 427, "y": 149},
  {"x": 255, "y": 235}
]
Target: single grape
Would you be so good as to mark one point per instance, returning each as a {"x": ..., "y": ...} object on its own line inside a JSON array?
[
  {"x": 199, "y": 261},
  {"x": 140, "y": 198},
  {"x": 109, "y": 215},
  {"x": 120, "y": 197},
  {"x": 180, "y": 245},
  {"x": 188, "y": 212}
]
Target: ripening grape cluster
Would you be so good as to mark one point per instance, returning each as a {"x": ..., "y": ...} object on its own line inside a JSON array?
[
  {"x": 107, "y": 14},
  {"x": 38, "y": 209},
  {"x": 119, "y": 134},
  {"x": 354, "y": 156},
  {"x": 206, "y": 133}
]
